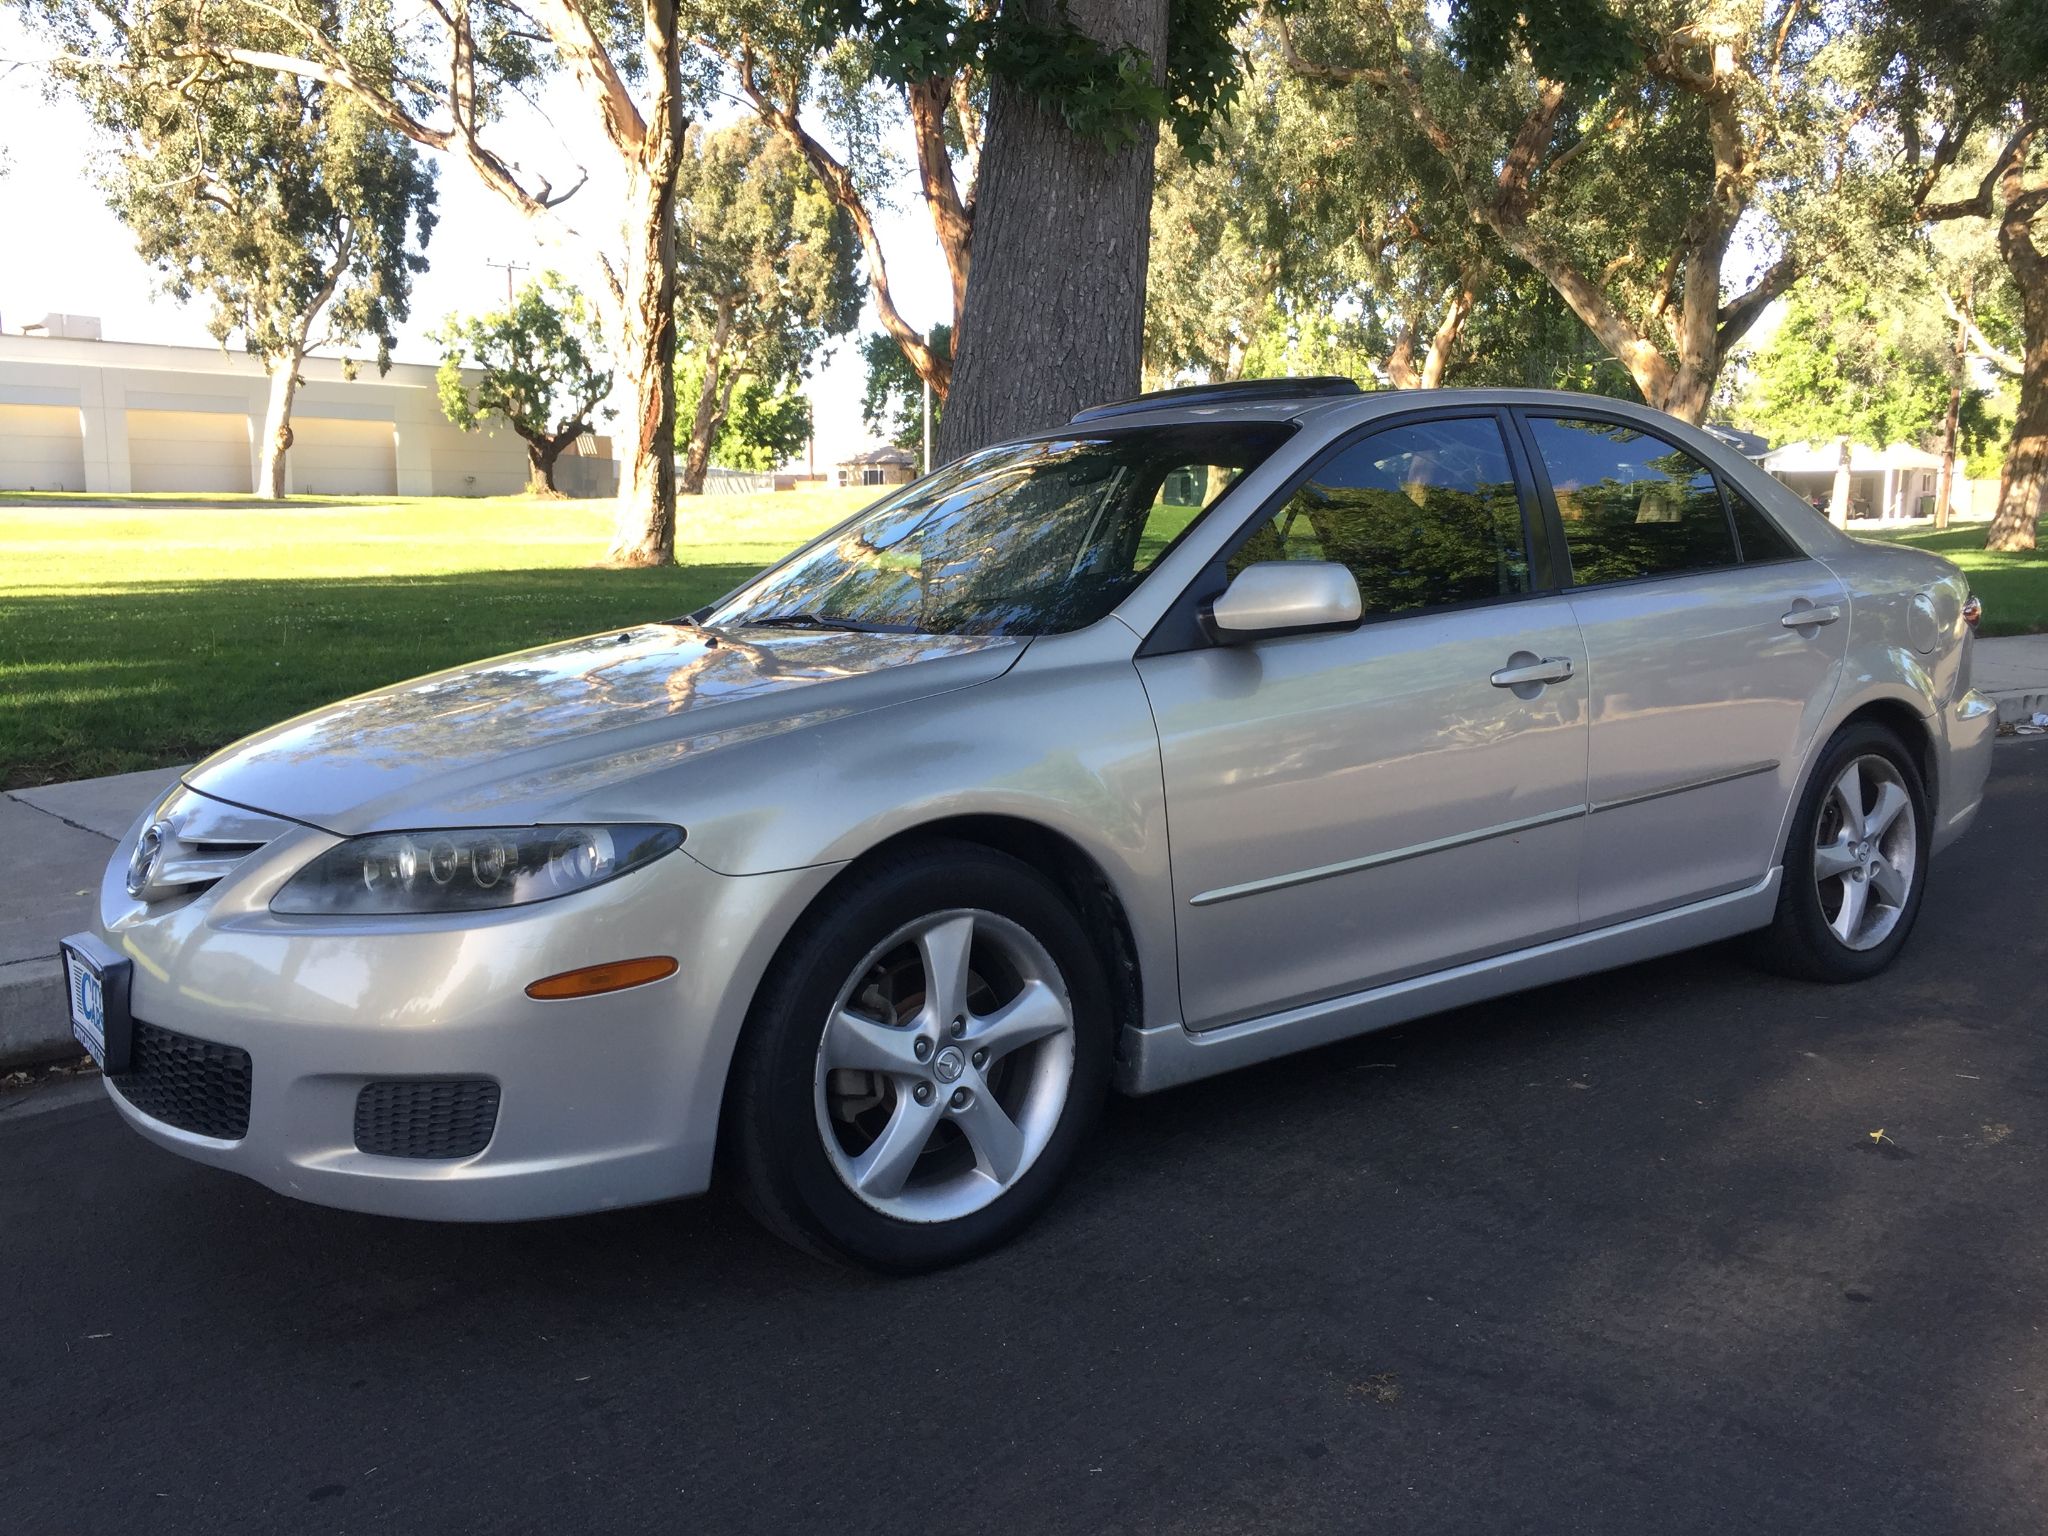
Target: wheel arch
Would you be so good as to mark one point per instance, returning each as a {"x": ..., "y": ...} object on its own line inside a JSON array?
[
  {"x": 1898, "y": 713},
  {"x": 1077, "y": 874}
]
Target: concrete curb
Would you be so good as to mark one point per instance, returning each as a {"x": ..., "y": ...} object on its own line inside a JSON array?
[
  {"x": 2019, "y": 708},
  {"x": 34, "y": 1026},
  {"x": 63, "y": 835}
]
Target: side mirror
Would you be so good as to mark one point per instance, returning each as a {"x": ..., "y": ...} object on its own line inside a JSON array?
[{"x": 1285, "y": 597}]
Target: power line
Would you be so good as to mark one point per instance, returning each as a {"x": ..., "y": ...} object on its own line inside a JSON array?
[{"x": 510, "y": 267}]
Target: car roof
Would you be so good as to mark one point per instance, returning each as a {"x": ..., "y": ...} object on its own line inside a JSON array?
[{"x": 1170, "y": 408}]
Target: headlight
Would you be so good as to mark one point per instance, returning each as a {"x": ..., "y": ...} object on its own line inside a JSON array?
[{"x": 468, "y": 869}]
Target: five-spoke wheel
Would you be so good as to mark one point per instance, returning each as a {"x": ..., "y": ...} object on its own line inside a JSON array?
[
  {"x": 1865, "y": 851},
  {"x": 1855, "y": 862},
  {"x": 944, "y": 1065},
  {"x": 931, "y": 1046}
]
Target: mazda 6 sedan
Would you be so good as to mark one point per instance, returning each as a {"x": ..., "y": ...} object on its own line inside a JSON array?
[{"x": 1210, "y": 726}]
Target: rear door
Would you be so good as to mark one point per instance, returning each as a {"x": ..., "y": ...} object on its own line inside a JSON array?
[
  {"x": 1705, "y": 688},
  {"x": 1350, "y": 808}
]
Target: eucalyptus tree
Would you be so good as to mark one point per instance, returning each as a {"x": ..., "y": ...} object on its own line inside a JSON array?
[
  {"x": 766, "y": 274},
  {"x": 838, "y": 80},
  {"x": 294, "y": 215},
  {"x": 444, "y": 74},
  {"x": 1323, "y": 234},
  {"x": 1624, "y": 152}
]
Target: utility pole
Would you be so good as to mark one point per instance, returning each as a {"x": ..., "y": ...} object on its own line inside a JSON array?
[
  {"x": 510, "y": 267},
  {"x": 927, "y": 426}
]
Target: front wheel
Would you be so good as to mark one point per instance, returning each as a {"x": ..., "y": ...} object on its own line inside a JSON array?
[
  {"x": 1856, "y": 861},
  {"x": 915, "y": 1080}
]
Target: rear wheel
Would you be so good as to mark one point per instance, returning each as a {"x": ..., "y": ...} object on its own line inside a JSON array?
[
  {"x": 914, "y": 1082},
  {"x": 1856, "y": 861}
]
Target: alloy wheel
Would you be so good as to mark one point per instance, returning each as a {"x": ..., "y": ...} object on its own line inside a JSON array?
[
  {"x": 944, "y": 1066},
  {"x": 1866, "y": 846}
]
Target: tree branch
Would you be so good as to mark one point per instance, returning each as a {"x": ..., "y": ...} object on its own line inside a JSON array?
[
  {"x": 840, "y": 186},
  {"x": 1979, "y": 204},
  {"x": 1997, "y": 356}
]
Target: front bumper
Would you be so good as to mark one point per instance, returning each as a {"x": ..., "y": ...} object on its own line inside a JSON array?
[
  {"x": 1969, "y": 733},
  {"x": 602, "y": 1101}
]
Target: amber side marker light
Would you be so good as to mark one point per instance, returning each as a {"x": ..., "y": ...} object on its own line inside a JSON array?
[
  {"x": 591, "y": 980},
  {"x": 1973, "y": 610}
]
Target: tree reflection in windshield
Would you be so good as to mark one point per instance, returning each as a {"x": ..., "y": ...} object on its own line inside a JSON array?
[{"x": 1025, "y": 538}]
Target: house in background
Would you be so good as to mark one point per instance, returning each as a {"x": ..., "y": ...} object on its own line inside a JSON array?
[
  {"x": 81, "y": 414},
  {"x": 1888, "y": 483},
  {"x": 885, "y": 464}
]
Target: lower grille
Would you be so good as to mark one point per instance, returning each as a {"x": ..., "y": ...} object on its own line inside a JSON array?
[
  {"x": 427, "y": 1117},
  {"x": 194, "y": 1085}
]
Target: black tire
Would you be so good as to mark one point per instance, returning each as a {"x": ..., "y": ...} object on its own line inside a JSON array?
[
  {"x": 771, "y": 1132},
  {"x": 1799, "y": 942}
]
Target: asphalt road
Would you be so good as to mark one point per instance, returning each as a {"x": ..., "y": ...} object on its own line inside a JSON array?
[{"x": 1622, "y": 1255}]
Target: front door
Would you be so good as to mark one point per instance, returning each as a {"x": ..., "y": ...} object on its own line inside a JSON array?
[
  {"x": 1706, "y": 689},
  {"x": 1348, "y": 809}
]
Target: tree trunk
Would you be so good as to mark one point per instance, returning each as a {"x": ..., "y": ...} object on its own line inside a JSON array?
[
  {"x": 277, "y": 425},
  {"x": 2015, "y": 526},
  {"x": 952, "y": 221},
  {"x": 1456, "y": 312},
  {"x": 644, "y": 526},
  {"x": 1947, "y": 484},
  {"x": 541, "y": 457},
  {"x": 707, "y": 417},
  {"x": 1055, "y": 313},
  {"x": 1838, "y": 500}
]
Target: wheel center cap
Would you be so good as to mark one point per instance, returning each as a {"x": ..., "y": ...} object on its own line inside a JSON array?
[{"x": 949, "y": 1064}]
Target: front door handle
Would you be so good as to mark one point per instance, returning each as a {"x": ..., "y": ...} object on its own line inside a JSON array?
[
  {"x": 1551, "y": 669},
  {"x": 1811, "y": 618}
]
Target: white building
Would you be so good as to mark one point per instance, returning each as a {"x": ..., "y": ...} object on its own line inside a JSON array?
[
  {"x": 1884, "y": 483},
  {"x": 81, "y": 414}
]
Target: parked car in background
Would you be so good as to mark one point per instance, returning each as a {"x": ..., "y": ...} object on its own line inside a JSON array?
[{"x": 1210, "y": 726}]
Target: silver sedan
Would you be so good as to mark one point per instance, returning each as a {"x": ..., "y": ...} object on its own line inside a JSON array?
[{"x": 1210, "y": 726}]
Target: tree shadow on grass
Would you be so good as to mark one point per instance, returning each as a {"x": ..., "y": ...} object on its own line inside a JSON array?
[{"x": 110, "y": 681}]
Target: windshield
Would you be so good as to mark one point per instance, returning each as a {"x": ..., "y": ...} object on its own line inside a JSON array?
[{"x": 1022, "y": 539}]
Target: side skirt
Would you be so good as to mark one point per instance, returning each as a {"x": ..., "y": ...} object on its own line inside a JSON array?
[{"x": 1168, "y": 1055}]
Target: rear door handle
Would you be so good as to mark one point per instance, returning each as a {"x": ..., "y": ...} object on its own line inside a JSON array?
[
  {"x": 1811, "y": 618},
  {"x": 1551, "y": 669}
]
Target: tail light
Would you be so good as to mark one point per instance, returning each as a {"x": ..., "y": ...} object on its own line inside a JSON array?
[{"x": 1973, "y": 610}]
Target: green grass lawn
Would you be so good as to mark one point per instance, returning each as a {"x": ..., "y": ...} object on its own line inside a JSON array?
[
  {"x": 140, "y": 631},
  {"x": 2014, "y": 587}
]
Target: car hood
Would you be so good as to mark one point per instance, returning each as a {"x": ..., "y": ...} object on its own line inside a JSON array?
[{"x": 504, "y": 739}]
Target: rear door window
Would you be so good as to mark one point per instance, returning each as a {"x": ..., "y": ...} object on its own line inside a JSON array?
[{"x": 1632, "y": 505}]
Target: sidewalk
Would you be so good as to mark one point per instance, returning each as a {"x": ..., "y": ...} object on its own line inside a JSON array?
[
  {"x": 2013, "y": 671},
  {"x": 63, "y": 834},
  {"x": 59, "y": 838}
]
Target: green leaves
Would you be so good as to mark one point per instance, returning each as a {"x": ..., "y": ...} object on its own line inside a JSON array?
[
  {"x": 285, "y": 207},
  {"x": 538, "y": 363},
  {"x": 1100, "y": 92},
  {"x": 1579, "y": 42}
]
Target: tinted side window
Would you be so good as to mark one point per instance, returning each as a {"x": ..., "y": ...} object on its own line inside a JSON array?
[
  {"x": 1761, "y": 538},
  {"x": 1632, "y": 504},
  {"x": 1425, "y": 515}
]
